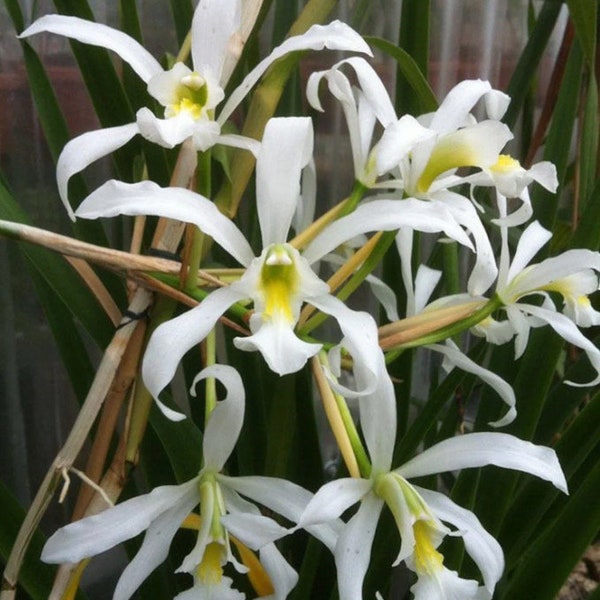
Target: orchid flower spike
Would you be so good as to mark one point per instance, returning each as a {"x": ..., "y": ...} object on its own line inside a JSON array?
[
  {"x": 420, "y": 514},
  {"x": 225, "y": 516},
  {"x": 280, "y": 279},
  {"x": 190, "y": 96}
]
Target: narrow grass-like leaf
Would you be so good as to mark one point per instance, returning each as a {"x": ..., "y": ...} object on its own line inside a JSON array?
[
  {"x": 61, "y": 278},
  {"x": 36, "y": 577},
  {"x": 585, "y": 17},
  {"x": 544, "y": 568},
  {"x": 529, "y": 506},
  {"x": 66, "y": 335},
  {"x": 414, "y": 40},
  {"x": 182, "y": 443},
  {"x": 545, "y": 203},
  {"x": 520, "y": 82},
  {"x": 183, "y": 12},
  {"x": 410, "y": 71},
  {"x": 588, "y": 147}
]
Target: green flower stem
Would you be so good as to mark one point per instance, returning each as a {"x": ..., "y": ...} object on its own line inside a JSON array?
[
  {"x": 449, "y": 331},
  {"x": 340, "y": 420},
  {"x": 198, "y": 247},
  {"x": 451, "y": 271},
  {"x": 359, "y": 451},
  {"x": 211, "y": 385}
]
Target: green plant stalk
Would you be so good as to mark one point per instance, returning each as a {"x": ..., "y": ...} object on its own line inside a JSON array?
[
  {"x": 493, "y": 304},
  {"x": 211, "y": 385},
  {"x": 198, "y": 247},
  {"x": 359, "y": 451}
]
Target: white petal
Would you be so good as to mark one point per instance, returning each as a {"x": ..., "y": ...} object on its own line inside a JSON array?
[
  {"x": 463, "y": 362},
  {"x": 225, "y": 421},
  {"x": 282, "y": 496},
  {"x": 215, "y": 21},
  {"x": 96, "y": 34},
  {"x": 155, "y": 548},
  {"x": 255, "y": 531},
  {"x": 570, "y": 333},
  {"x": 281, "y": 574},
  {"x": 385, "y": 296},
  {"x": 286, "y": 149},
  {"x": 530, "y": 242},
  {"x": 480, "y": 545},
  {"x": 386, "y": 215},
  {"x": 212, "y": 591},
  {"x": 335, "y": 36},
  {"x": 171, "y": 340},
  {"x": 353, "y": 550},
  {"x": 425, "y": 282},
  {"x": 98, "y": 533},
  {"x": 446, "y": 585},
  {"x": 485, "y": 271},
  {"x": 285, "y": 498},
  {"x": 397, "y": 141},
  {"x": 305, "y": 209},
  {"x": 147, "y": 198},
  {"x": 374, "y": 91},
  {"x": 457, "y": 105},
  {"x": 481, "y": 449},
  {"x": 554, "y": 269},
  {"x": 545, "y": 174},
  {"x": 84, "y": 150},
  {"x": 173, "y": 131},
  {"x": 332, "y": 499},
  {"x": 360, "y": 339},
  {"x": 496, "y": 104},
  {"x": 378, "y": 421},
  {"x": 239, "y": 141},
  {"x": 281, "y": 348}
]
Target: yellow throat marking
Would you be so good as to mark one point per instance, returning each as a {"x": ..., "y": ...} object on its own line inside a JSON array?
[{"x": 278, "y": 283}]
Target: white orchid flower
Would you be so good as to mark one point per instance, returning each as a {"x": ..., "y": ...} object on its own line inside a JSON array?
[
  {"x": 572, "y": 274},
  {"x": 511, "y": 180},
  {"x": 280, "y": 279},
  {"x": 189, "y": 96},
  {"x": 223, "y": 513},
  {"x": 425, "y": 152},
  {"x": 420, "y": 514}
]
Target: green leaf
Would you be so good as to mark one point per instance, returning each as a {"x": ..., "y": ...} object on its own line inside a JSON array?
[
  {"x": 585, "y": 18},
  {"x": 530, "y": 505},
  {"x": 588, "y": 148},
  {"x": 61, "y": 278},
  {"x": 545, "y": 203},
  {"x": 182, "y": 15},
  {"x": 410, "y": 70},
  {"x": 520, "y": 82},
  {"x": 414, "y": 40},
  {"x": 550, "y": 559},
  {"x": 182, "y": 443},
  {"x": 35, "y": 577}
]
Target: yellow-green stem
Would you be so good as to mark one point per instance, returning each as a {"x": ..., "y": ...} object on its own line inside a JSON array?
[
  {"x": 341, "y": 422},
  {"x": 211, "y": 385},
  {"x": 197, "y": 244}
]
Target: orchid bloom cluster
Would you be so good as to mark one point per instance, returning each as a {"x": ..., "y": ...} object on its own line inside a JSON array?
[{"x": 413, "y": 175}]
